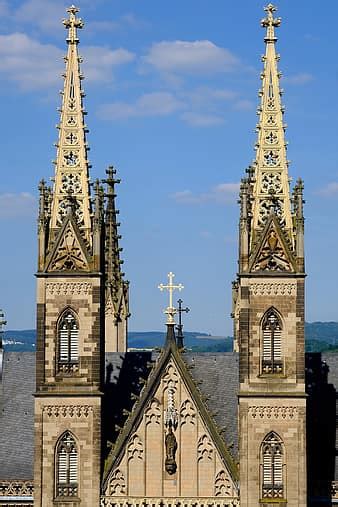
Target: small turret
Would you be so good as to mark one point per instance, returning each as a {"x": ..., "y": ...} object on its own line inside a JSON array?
[{"x": 117, "y": 289}]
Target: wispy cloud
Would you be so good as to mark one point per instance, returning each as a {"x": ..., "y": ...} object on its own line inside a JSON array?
[
  {"x": 43, "y": 14},
  {"x": 299, "y": 79},
  {"x": 197, "y": 57},
  {"x": 202, "y": 119},
  {"x": 244, "y": 105},
  {"x": 17, "y": 205},
  {"x": 149, "y": 104},
  {"x": 33, "y": 65},
  {"x": 224, "y": 193},
  {"x": 330, "y": 189}
]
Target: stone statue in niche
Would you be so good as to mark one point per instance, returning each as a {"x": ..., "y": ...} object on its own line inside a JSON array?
[{"x": 171, "y": 448}]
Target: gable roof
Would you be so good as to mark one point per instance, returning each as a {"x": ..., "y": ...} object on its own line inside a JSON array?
[
  {"x": 171, "y": 353},
  {"x": 276, "y": 251}
]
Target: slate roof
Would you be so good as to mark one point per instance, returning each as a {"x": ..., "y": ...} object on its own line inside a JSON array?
[
  {"x": 216, "y": 375},
  {"x": 17, "y": 415}
]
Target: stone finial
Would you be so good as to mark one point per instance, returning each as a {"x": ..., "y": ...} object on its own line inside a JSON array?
[
  {"x": 270, "y": 23},
  {"x": 72, "y": 23}
]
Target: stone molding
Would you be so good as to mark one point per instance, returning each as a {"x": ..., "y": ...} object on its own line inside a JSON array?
[
  {"x": 273, "y": 412},
  {"x": 16, "y": 488},
  {"x": 218, "y": 501},
  {"x": 273, "y": 288},
  {"x": 67, "y": 410},
  {"x": 68, "y": 288}
]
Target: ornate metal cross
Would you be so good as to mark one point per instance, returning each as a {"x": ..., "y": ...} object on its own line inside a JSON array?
[
  {"x": 170, "y": 310},
  {"x": 179, "y": 327}
]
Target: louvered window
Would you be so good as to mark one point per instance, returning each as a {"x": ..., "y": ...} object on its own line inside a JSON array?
[
  {"x": 66, "y": 467},
  {"x": 272, "y": 343},
  {"x": 68, "y": 334},
  {"x": 272, "y": 464}
]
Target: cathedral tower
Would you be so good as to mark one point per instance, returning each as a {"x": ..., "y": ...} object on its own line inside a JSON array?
[
  {"x": 269, "y": 309},
  {"x": 82, "y": 307}
]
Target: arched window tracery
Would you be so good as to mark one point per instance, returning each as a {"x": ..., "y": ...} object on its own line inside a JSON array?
[
  {"x": 272, "y": 360},
  {"x": 68, "y": 339},
  {"x": 66, "y": 466},
  {"x": 272, "y": 467}
]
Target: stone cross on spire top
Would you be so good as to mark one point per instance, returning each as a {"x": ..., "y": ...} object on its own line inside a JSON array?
[
  {"x": 270, "y": 23},
  {"x": 170, "y": 287},
  {"x": 72, "y": 23}
]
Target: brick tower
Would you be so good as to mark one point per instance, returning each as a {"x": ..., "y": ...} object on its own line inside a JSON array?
[
  {"x": 269, "y": 310},
  {"x": 82, "y": 307}
]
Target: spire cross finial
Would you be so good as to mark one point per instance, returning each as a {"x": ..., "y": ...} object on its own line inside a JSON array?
[
  {"x": 179, "y": 327},
  {"x": 170, "y": 311},
  {"x": 72, "y": 23},
  {"x": 270, "y": 23}
]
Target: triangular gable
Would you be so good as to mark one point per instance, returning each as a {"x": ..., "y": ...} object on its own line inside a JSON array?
[
  {"x": 146, "y": 438},
  {"x": 69, "y": 252},
  {"x": 272, "y": 252}
]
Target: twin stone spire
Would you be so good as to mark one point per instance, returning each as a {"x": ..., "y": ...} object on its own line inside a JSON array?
[{"x": 77, "y": 234}]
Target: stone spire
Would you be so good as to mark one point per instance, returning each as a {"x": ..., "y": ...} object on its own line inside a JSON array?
[
  {"x": 268, "y": 177},
  {"x": 116, "y": 288},
  {"x": 71, "y": 171}
]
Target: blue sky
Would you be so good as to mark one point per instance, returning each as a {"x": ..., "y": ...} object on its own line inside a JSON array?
[{"x": 171, "y": 100}]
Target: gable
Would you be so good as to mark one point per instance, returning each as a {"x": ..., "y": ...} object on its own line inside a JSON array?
[
  {"x": 69, "y": 252},
  {"x": 272, "y": 252},
  {"x": 170, "y": 449}
]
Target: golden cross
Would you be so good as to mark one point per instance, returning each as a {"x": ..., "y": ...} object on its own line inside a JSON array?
[
  {"x": 170, "y": 311},
  {"x": 72, "y": 23}
]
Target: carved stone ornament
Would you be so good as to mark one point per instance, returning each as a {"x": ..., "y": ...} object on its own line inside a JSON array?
[
  {"x": 187, "y": 413},
  {"x": 153, "y": 412},
  {"x": 273, "y": 412},
  {"x": 273, "y": 288},
  {"x": 69, "y": 256},
  {"x": 135, "y": 448},
  {"x": 16, "y": 488},
  {"x": 222, "y": 484},
  {"x": 68, "y": 288},
  {"x": 68, "y": 410},
  {"x": 272, "y": 256},
  {"x": 117, "y": 484},
  {"x": 205, "y": 448},
  {"x": 171, "y": 448},
  {"x": 170, "y": 377}
]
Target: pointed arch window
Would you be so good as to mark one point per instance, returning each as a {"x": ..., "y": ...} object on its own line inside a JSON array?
[
  {"x": 68, "y": 338},
  {"x": 272, "y": 360},
  {"x": 66, "y": 466},
  {"x": 272, "y": 467}
]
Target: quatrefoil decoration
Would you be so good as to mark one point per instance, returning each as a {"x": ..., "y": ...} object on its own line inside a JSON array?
[
  {"x": 271, "y": 138},
  {"x": 71, "y": 158},
  {"x": 271, "y": 158},
  {"x": 71, "y": 183},
  {"x": 71, "y": 138}
]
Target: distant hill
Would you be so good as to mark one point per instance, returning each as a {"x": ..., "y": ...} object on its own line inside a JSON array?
[{"x": 319, "y": 336}]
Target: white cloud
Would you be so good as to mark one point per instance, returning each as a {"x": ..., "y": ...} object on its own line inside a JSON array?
[
  {"x": 34, "y": 65},
  {"x": 198, "y": 57},
  {"x": 149, "y": 104},
  {"x": 329, "y": 189},
  {"x": 224, "y": 193},
  {"x": 28, "y": 62},
  {"x": 100, "y": 61},
  {"x": 45, "y": 14},
  {"x": 17, "y": 205},
  {"x": 201, "y": 119},
  {"x": 299, "y": 79}
]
